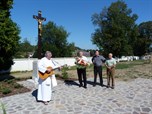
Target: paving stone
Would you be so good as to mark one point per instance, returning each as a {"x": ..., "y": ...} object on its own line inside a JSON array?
[
  {"x": 26, "y": 112},
  {"x": 146, "y": 109},
  {"x": 126, "y": 98}
]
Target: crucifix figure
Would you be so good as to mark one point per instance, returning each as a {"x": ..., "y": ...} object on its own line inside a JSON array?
[{"x": 40, "y": 19}]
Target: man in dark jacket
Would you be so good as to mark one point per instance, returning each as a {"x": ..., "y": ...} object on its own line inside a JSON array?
[{"x": 98, "y": 61}]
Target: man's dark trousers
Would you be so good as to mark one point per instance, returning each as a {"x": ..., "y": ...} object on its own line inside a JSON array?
[
  {"x": 82, "y": 73},
  {"x": 98, "y": 70}
]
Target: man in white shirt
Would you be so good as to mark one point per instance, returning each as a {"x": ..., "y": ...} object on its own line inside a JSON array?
[
  {"x": 45, "y": 85},
  {"x": 82, "y": 62}
]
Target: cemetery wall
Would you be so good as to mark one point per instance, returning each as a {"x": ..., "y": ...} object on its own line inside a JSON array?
[{"x": 27, "y": 63}]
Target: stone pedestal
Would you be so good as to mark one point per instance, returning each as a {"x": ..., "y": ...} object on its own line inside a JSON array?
[{"x": 35, "y": 72}]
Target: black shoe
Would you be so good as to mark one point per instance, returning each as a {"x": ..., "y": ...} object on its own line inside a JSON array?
[
  {"x": 108, "y": 86},
  {"x": 102, "y": 85},
  {"x": 85, "y": 87},
  {"x": 94, "y": 85},
  {"x": 80, "y": 85},
  {"x": 112, "y": 87}
]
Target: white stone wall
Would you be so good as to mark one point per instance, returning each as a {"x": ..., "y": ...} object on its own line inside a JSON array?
[
  {"x": 22, "y": 65},
  {"x": 27, "y": 64}
]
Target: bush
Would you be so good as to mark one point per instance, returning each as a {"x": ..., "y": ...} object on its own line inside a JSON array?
[
  {"x": 9, "y": 81},
  {"x": 64, "y": 73},
  {"x": 1, "y": 87},
  {"x": 17, "y": 86},
  {"x": 6, "y": 91}
]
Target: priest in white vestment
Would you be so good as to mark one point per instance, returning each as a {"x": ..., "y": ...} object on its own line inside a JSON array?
[{"x": 45, "y": 86}]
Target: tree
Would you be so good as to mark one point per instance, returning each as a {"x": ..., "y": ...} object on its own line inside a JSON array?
[
  {"x": 9, "y": 35},
  {"x": 54, "y": 38},
  {"x": 24, "y": 49},
  {"x": 144, "y": 40},
  {"x": 116, "y": 29}
]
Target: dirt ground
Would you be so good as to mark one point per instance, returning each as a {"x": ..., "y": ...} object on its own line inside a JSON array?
[{"x": 144, "y": 71}]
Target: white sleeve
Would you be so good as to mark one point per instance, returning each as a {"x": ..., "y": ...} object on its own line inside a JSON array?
[
  {"x": 85, "y": 59},
  {"x": 55, "y": 64},
  {"x": 41, "y": 66}
]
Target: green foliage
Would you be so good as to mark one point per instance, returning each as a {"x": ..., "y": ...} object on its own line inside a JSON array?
[
  {"x": 9, "y": 81},
  {"x": 144, "y": 40},
  {"x": 6, "y": 91},
  {"x": 54, "y": 39},
  {"x": 24, "y": 49},
  {"x": 9, "y": 35},
  {"x": 116, "y": 31},
  {"x": 64, "y": 73},
  {"x": 16, "y": 85}
]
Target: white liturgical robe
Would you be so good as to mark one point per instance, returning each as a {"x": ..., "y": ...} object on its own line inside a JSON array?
[{"x": 45, "y": 86}]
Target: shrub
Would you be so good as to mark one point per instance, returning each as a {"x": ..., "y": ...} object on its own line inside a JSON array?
[
  {"x": 6, "y": 91},
  {"x": 9, "y": 81},
  {"x": 17, "y": 86},
  {"x": 64, "y": 73},
  {"x": 1, "y": 87}
]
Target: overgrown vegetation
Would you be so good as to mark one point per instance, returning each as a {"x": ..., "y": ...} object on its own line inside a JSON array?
[
  {"x": 64, "y": 73},
  {"x": 124, "y": 70},
  {"x": 10, "y": 87}
]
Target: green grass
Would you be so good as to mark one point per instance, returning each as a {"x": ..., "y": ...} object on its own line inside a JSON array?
[
  {"x": 70, "y": 72},
  {"x": 64, "y": 73},
  {"x": 16, "y": 85},
  {"x": 120, "y": 65},
  {"x": 124, "y": 65}
]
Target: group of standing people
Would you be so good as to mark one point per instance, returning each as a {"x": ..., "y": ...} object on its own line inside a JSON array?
[
  {"x": 46, "y": 65},
  {"x": 98, "y": 62}
]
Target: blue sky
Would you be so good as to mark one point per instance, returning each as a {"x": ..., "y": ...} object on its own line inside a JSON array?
[{"x": 73, "y": 15}]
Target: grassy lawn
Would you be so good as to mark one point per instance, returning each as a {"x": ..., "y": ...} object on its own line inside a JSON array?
[
  {"x": 124, "y": 65},
  {"x": 124, "y": 71},
  {"x": 120, "y": 65}
]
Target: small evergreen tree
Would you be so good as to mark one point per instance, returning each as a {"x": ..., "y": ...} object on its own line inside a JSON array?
[{"x": 9, "y": 35}]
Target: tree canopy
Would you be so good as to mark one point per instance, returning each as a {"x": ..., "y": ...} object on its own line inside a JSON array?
[
  {"x": 116, "y": 29},
  {"x": 25, "y": 49},
  {"x": 54, "y": 38},
  {"x": 9, "y": 35},
  {"x": 144, "y": 41}
]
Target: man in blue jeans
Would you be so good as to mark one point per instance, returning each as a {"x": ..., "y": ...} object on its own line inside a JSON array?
[{"x": 97, "y": 61}]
